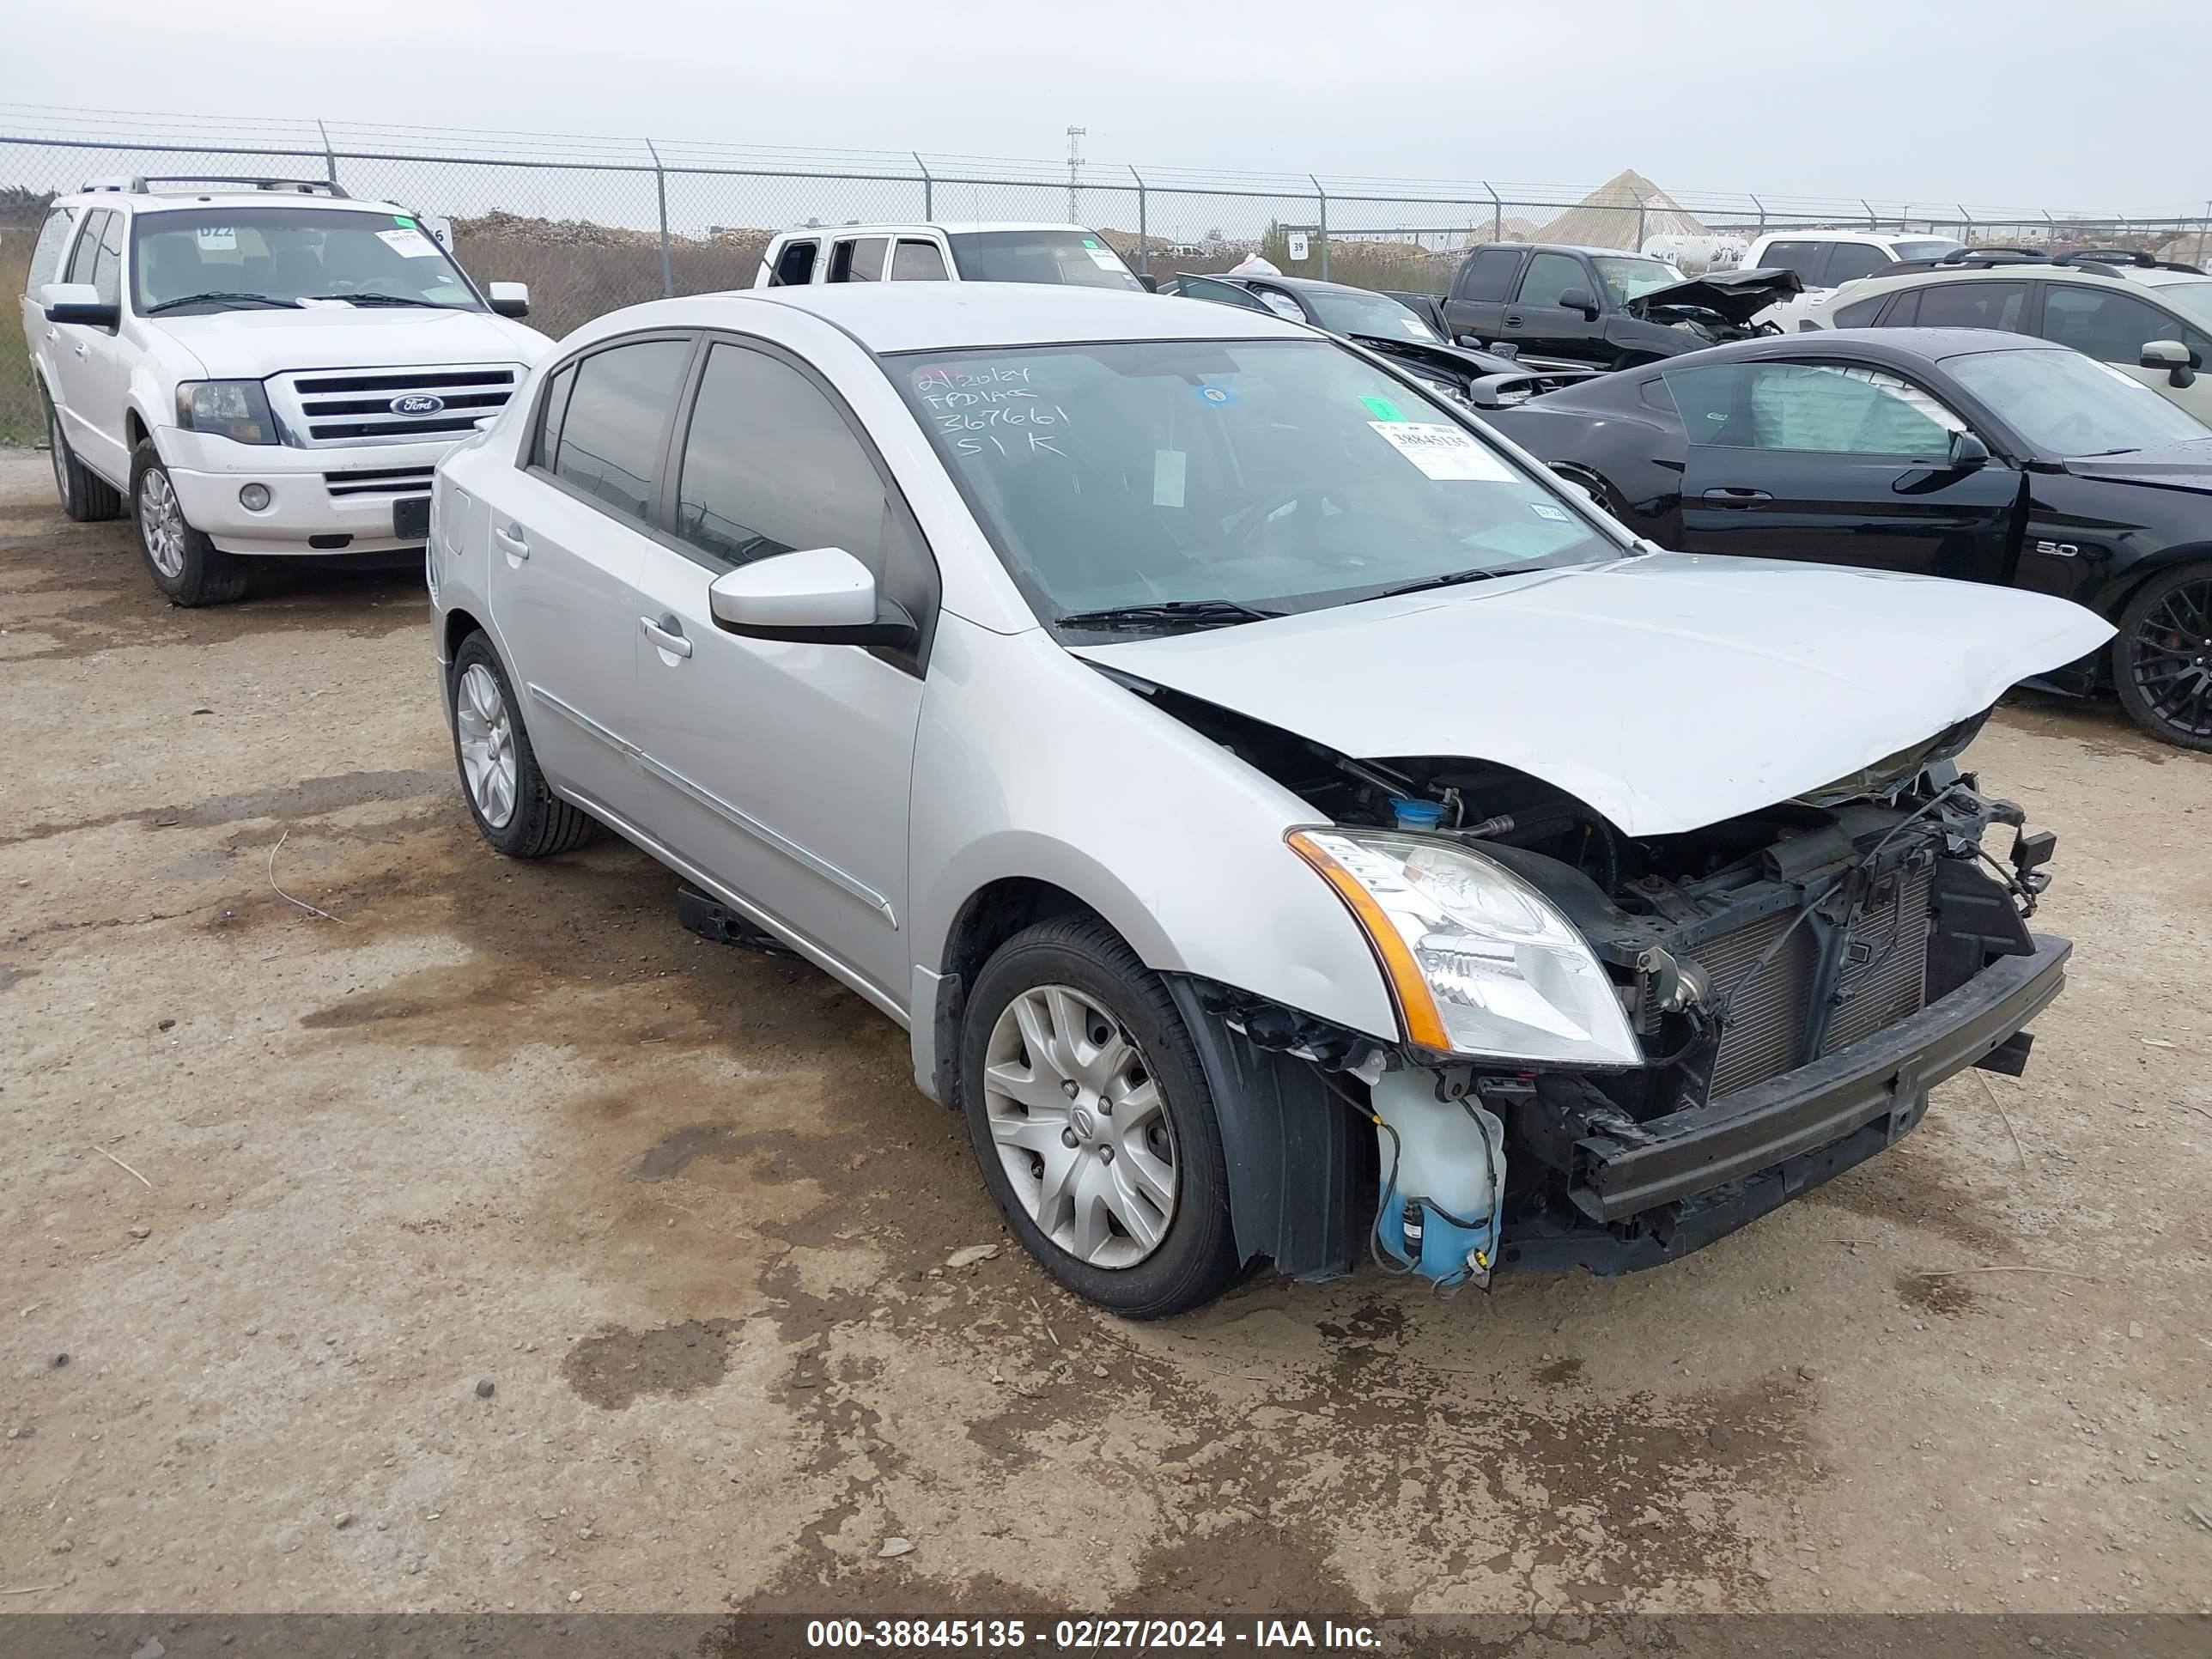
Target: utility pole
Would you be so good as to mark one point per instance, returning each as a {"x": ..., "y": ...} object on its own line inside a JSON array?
[{"x": 1075, "y": 138}]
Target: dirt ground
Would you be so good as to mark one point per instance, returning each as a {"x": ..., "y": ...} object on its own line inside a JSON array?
[{"x": 681, "y": 1209}]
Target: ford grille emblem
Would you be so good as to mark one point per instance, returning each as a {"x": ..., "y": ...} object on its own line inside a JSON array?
[{"x": 418, "y": 404}]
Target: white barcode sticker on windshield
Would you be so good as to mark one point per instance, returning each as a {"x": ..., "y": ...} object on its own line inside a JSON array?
[
  {"x": 216, "y": 239},
  {"x": 1442, "y": 451},
  {"x": 1168, "y": 466},
  {"x": 1415, "y": 326},
  {"x": 409, "y": 244}
]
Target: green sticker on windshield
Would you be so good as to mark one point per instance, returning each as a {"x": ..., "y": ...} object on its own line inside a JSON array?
[
  {"x": 1090, "y": 242},
  {"x": 398, "y": 219},
  {"x": 1383, "y": 409}
]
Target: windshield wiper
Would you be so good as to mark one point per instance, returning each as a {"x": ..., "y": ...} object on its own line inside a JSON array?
[
  {"x": 1452, "y": 579},
  {"x": 223, "y": 300},
  {"x": 1196, "y": 613},
  {"x": 383, "y": 300}
]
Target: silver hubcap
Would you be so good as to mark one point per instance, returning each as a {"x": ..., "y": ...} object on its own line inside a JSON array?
[
  {"x": 487, "y": 737},
  {"x": 1079, "y": 1125},
  {"x": 162, "y": 522}
]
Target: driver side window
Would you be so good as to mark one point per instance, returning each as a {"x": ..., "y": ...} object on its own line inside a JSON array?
[
  {"x": 1551, "y": 274},
  {"x": 1834, "y": 408}
]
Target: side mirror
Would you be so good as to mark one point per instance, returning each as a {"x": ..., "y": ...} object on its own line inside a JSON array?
[
  {"x": 1151, "y": 285},
  {"x": 1578, "y": 299},
  {"x": 78, "y": 302},
  {"x": 1968, "y": 452},
  {"x": 2173, "y": 355},
  {"x": 815, "y": 596},
  {"x": 509, "y": 299}
]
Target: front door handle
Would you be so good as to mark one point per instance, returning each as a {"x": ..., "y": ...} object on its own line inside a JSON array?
[
  {"x": 666, "y": 635},
  {"x": 1735, "y": 496},
  {"x": 80, "y": 349},
  {"x": 511, "y": 540}
]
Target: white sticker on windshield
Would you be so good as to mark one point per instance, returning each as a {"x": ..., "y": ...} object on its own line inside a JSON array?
[
  {"x": 216, "y": 239},
  {"x": 1101, "y": 256},
  {"x": 1416, "y": 327},
  {"x": 1442, "y": 451},
  {"x": 409, "y": 244},
  {"x": 1167, "y": 478}
]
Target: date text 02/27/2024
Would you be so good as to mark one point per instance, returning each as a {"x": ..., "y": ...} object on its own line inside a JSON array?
[{"x": 1087, "y": 1634}]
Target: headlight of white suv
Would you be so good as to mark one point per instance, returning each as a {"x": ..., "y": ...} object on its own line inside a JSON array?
[
  {"x": 1479, "y": 962},
  {"x": 236, "y": 409}
]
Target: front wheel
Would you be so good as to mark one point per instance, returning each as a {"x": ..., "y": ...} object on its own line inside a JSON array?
[
  {"x": 188, "y": 568},
  {"x": 2162, "y": 660},
  {"x": 1091, "y": 1116}
]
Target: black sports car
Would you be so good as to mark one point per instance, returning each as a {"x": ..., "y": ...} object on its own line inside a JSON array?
[
  {"x": 1960, "y": 453},
  {"x": 1380, "y": 323}
]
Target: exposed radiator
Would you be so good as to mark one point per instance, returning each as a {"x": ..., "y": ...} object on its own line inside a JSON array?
[{"x": 1884, "y": 978}]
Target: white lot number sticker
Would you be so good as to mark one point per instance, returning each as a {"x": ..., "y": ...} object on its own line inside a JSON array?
[
  {"x": 409, "y": 244},
  {"x": 216, "y": 239},
  {"x": 1442, "y": 452},
  {"x": 1105, "y": 258}
]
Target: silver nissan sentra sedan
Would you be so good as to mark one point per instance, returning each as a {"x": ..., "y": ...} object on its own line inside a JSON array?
[{"x": 1291, "y": 825}]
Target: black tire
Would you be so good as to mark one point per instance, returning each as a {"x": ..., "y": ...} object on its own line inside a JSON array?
[
  {"x": 540, "y": 823},
  {"x": 2162, "y": 660},
  {"x": 85, "y": 496},
  {"x": 1195, "y": 1258},
  {"x": 203, "y": 573}
]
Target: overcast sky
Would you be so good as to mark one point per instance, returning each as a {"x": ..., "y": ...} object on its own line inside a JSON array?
[{"x": 2004, "y": 102}]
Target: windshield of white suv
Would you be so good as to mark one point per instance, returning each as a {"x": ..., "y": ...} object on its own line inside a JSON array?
[
  {"x": 1925, "y": 247},
  {"x": 200, "y": 259},
  {"x": 1210, "y": 482},
  {"x": 2191, "y": 299},
  {"x": 1067, "y": 257},
  {"x": 1355, "y": 311},
  {"x": 1632, "y": 279},
  {"x": 2072, "y": 406}
]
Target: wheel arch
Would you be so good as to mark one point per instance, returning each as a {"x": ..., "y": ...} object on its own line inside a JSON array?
[{"x": 2117, "y": 595}]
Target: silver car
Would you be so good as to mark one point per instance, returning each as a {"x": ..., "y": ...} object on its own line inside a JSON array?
[{"x": 1290, "y": 823}]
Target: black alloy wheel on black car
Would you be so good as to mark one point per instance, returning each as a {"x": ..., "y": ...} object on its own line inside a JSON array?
[{"x": 2162, "y": 660}]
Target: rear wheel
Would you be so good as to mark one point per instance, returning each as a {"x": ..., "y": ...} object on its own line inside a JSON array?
[
  {"x": 188, "y": 568},
  {"x": 1089, "y": 1115},
  {"x": 2162, "y": 660},
  {"x": 85, "y": 496},
  {"x": 514, "y": 808}
]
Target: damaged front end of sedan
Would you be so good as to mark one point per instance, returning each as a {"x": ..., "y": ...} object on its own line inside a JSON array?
[{"x": 1619, "y": 1048}]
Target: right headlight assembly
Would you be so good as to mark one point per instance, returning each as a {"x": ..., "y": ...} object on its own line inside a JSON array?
[{"x": 1480, "y": 963}]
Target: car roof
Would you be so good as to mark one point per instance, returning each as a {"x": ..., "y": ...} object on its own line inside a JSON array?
[
  {"x": 1846, "y": 233},
  {"x": 887, "y": 317},
  {"x": 1567, "y": 248},
  {"x": 1898, "y": 346},
  {"x": 2041, "y": 270},
  {"x": 168, "y": 201},
  {"x": 949, "y": 227},
  {"x": 1295, "y": 284}
]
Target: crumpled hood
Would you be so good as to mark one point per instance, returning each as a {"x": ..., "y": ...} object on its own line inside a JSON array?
[
  {"x": 2184, "y": 466},
  {"x": 1738, "y": 295},
  {"x": 253, "y": 344},
  {"x": 1669, "y": 691}
]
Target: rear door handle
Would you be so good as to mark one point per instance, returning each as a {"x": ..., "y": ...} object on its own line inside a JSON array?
[
  {"x": 1512, "y": 319},
  {"x": 666, "y": 635},
  {"x": 1735, "y": 496},
  {"x": 80, "y": 347},
  {"x": 512, "y": 541}
]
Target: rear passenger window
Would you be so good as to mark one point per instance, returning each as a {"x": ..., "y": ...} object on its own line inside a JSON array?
[
  {"x": 549, "y": 424},
  {"x": 617, "y": 412},
  {"x": 794, "y": 266},
  {"x": 859, "y": 261},
  {"x": 46, "y": 252},
  {"x": 1491, "y": 277},
  {"x": 1849, "y": 261},
  {"x": 1860, "y": 313},
  {"x": 1973, "y": 305},
  {"x": 918, "y": 262},
  {"x": 770, "y": 464}
]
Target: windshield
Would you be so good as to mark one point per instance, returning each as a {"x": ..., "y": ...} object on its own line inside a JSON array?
[
  {"x": 1282, "y": 475},
  {"x": 1068, "y": 257},
  {"x": 1632, "y": 279},
  {"x": 1925, "y": 247},
  {"x": 2191, "y": 299},
  {"x": 286, "y": 254},
  {"x": 2069, "y": 405},
  {"x": 1354, "y": 311}
]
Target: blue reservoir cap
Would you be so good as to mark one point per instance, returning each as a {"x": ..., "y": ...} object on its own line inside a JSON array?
[{"x": 1416, "y": 814}]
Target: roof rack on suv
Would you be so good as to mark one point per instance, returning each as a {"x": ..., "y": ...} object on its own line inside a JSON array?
[
  {"x": 142, "y": 184},
  {"x": 2123, "y": 256}
]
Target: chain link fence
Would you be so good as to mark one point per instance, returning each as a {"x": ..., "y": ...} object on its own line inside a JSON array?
[{"x": 593, "y": 224}]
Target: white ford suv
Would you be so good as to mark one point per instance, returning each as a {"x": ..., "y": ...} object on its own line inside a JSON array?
[{"x": 261, "y": 367}]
